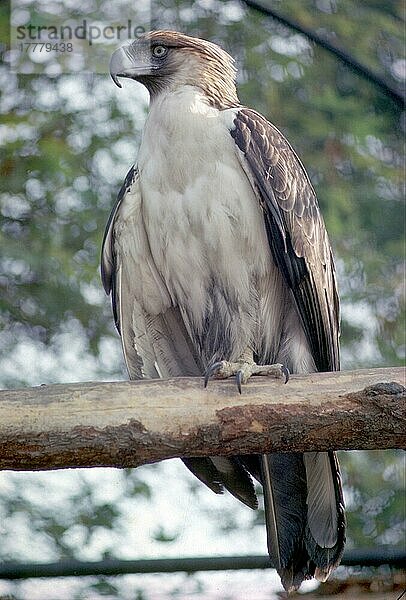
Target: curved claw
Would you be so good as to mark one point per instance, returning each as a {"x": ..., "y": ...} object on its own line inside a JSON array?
[
  {"x": 286, "y": 373},
  {"x": 238, "y": 379},
  {"x": 212, "y": 370}
]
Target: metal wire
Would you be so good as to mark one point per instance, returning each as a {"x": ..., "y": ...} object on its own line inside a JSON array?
[
  {"x": 76, "y": 568},
  {"x": 386, "y": 87}
]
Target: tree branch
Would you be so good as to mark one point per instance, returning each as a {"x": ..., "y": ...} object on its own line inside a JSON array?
[
  {"x": 125, "y": 424},
  {"x": 350, "y": 61}
]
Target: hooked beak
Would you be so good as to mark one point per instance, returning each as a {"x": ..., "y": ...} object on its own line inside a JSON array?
[{"x": 124, "y": 64}]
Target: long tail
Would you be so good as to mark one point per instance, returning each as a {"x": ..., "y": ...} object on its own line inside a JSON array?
[{"x": 304, "y": 513}]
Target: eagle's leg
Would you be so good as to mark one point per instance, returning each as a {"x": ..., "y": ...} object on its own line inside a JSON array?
[{"x": 243, "y": 369}]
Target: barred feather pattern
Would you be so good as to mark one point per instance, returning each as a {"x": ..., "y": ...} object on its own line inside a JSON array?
[{"x": 221, "y": 176}]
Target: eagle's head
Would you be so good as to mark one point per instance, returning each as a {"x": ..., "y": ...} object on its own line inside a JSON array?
[{"x": 168, "y": 60}]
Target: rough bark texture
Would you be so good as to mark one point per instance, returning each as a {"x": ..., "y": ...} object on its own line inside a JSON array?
[{"x": 125, "y": 424}]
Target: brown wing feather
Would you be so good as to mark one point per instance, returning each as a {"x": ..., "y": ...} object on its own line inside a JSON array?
[{"x": 296, "y": 232}]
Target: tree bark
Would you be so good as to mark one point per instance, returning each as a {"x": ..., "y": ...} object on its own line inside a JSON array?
[{"x": 126, "y": 424}]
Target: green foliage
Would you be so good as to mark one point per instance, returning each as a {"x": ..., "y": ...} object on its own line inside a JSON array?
[
  {"x": 375, "y": 496},
  {"x": 67, "y": 143},
  {"x": 69, "y": 522},
  {"x": 162, "y": 535}
]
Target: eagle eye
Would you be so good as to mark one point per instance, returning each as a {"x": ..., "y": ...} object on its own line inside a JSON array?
[{"x": 159, "y": 51}]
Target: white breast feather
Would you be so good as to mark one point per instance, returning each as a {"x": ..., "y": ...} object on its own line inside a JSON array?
[{"x": 201, "y": 215}]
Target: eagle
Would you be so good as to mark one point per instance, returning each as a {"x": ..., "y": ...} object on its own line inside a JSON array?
[{"x": 218, "y": 264}]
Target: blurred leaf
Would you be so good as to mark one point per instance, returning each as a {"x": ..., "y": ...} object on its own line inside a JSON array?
[
  {"x": 67, "y": 143},
  {"x": 162, "y": 535}
]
